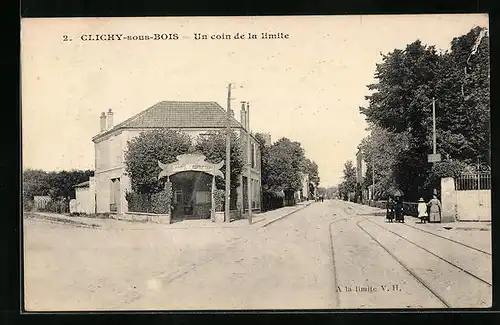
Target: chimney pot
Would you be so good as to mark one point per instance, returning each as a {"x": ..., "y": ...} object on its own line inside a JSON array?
[
  {"x": 247, "y": 119},
  {"x": 110, "y": 119},
  {"x": 103, "y": 122},
  {"x": 243, "y": 115}
]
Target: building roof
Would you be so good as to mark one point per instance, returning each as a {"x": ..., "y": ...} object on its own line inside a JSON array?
[
  {"x": 178, "y": 114},
  {"x": 83, "y": 184}
]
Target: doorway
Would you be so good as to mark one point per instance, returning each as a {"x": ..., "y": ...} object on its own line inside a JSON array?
[{"x": 191, "y": 195}]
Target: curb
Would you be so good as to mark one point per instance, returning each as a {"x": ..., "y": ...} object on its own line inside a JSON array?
[
  {"x": 285, "y": 215},
  {"x": 65, "y": 221}
]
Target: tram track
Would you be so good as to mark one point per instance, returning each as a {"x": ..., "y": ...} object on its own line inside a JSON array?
[
  {"x": 345, "y": 210},
  {"x": 407, "y": 268},
  {"x": 449, "y": 239},
  {"x": 426, "y": 284},
  {"x": 432, "y": 253}
]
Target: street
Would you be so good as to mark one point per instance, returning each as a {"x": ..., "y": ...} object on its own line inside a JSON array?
[{"x": 329, "y": 255}]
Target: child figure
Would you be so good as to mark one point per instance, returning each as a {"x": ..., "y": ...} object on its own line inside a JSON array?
[{"x": 422, "y": 211}]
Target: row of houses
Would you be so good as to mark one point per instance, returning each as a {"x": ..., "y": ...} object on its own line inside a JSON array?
[{"x": 106, "y": 191}]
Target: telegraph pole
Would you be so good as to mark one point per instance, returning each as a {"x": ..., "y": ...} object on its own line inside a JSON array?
[
  {"x": 433, "y": 126},
  {"x": 249, "y": 153},
  {"x": 373, "y": 180},
  {"x": 228, "y": 156}
]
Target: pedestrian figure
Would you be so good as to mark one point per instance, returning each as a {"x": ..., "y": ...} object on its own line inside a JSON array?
[
  {"x": 398, "y": 209},
  {"x": 434, "y": 209},
  {"x": 422, "y": 211},
  {"x": 390, "y": 210}
]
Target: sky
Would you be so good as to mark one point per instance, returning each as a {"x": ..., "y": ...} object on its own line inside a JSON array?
[{"x": 307, "y": 87}]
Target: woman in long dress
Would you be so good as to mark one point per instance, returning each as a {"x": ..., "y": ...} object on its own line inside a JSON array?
[
  {"x": 398, "y": 209},
  {"x": 422, "y": 210},
  {"x": 390, "y": 210},
  {"x": 434, "y": 209}
]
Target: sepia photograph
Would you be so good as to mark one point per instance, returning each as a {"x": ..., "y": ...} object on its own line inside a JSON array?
[{"x": 267, "y": 163}]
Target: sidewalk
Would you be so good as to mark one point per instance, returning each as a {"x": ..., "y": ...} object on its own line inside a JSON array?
[
  {"x": 60, "y": 218},
  {"x": 458, "y": 225},
  {"x": 269, "y": 217},
  {"x": 258, "y": 220}
]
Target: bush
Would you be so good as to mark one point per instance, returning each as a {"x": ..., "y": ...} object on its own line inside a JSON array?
[
  {"x": 219, "y": 196},
  {"x": 28, "y": 205},
  {"x": 57, "y": 206},
  {"x": 158, "y": 203},
  {"x": 137, "y": 202},
  {"x": 443, "y": 169}
]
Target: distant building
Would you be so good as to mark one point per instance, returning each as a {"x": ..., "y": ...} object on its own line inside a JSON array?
[
  {"x": 84, "y": 201},
  {"x": 193, "y": 118},
  {"x": 360, "y": 167},
  {"x": 362, "y": 194},
  {"x": 267, "y": 138},
  {"x": 303, "y": 193}
]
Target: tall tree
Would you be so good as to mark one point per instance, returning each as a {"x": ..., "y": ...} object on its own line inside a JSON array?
[
  {"x": 35, "y": 182},
  {"x": 144, "y": 151},
  {"x": 213, "y": 146},
  {"x": 401, "y": 102},
  {"x": 281, "y": 165},
  {"x": 54, "y": 184},
  {"x": 349, "y": 184},
  {"x": 383, "y": 150},
  {"x": 311, "y": 169}
]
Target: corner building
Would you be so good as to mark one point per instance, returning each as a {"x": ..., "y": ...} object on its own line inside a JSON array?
[{"x": 194, "y": 118}]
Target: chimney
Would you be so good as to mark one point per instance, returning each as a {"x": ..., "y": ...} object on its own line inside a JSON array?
[
  {"x": 247, "y": 119},
  {"x": 243, "y": 115},
  {"x": 103, "y": 122},
  {"x": 110, "y": 119}
]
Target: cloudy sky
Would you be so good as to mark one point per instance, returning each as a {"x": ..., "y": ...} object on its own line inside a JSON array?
[{"x": 308, "y": 87}]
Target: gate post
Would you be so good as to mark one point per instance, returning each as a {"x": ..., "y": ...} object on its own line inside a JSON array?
[{"x": 448, "y": 200}]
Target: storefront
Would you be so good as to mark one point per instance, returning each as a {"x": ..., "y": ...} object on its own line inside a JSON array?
[{"x": 193, "y": 186}]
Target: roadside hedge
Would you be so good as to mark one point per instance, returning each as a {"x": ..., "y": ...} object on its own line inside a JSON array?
[{"x": 158, "y": 203}]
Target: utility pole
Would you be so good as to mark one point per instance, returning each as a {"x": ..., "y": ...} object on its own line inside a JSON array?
[
  {"x": 373, "y": 179},
  {"x": 249, "y": 153},
  {"x": 434, "y": 151},
  {"x": 433, "y": 126},
  {"x": 228, "y": 156}
]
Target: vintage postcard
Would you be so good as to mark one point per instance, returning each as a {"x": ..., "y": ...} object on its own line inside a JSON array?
[{"x": 256, "y": 163}]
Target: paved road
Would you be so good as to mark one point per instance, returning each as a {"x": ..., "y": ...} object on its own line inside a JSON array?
[{"x": 290, "y": 264}]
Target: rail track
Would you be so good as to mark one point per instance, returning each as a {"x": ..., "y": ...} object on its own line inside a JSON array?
[
  {"x": 408, "y": 269},
  {"x": 424, "y": 283},
  {"x": 432, "y": 253},
  {"x": 449, "y": 239},
  {"x": 345, "y": 210}
]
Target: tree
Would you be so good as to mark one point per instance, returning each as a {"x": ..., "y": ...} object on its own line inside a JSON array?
[
  {"x": 383, "y": 149},
  {"x": 349, "y": 184},
  {"x": 281, "y": 165},
  {"x": 311, "y": 169},
  {"x": 343, "y": 192},
  {"x": 144, "y": 151},
  {"x": 260, "y": 138},
  {"x": 400, "y": 103},
  {"x": 35, "y": 182},
  {"x": 54, "y": 184},
  {"x": 61, "y": 183},
  {"x": 213, "y": 146}
]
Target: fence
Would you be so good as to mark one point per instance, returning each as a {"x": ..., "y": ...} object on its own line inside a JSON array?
[
  {"x": 473, "y": 196},
  {"x": 476, "y": 181},
  {"x": 409, "y": 208}
]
